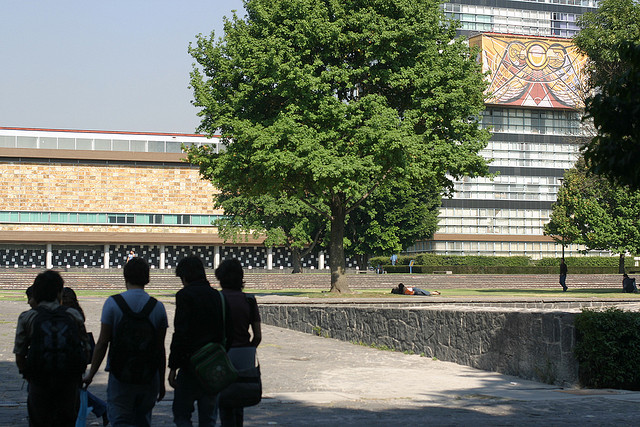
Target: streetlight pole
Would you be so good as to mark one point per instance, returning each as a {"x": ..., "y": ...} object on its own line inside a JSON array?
[{"x": 561, "y": 180}]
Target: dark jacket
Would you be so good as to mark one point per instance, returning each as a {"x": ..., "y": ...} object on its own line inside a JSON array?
[{"x": 197, "y": 321}]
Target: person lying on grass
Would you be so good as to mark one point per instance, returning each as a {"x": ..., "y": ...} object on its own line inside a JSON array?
[{"x": 401, "y": 289}]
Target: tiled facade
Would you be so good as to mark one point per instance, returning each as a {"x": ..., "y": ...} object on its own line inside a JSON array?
[
  {"x": 68, "y": 202},
  {"x": 50, "y": 185}
]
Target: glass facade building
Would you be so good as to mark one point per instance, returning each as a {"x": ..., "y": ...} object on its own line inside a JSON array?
[{"x": 535, "y": 123}]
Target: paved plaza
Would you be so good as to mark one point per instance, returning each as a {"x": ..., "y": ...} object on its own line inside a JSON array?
[{"x": 315, "y": 381}]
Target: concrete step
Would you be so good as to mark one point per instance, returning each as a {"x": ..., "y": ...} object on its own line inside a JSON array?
[{"x": 113, "y": 279}]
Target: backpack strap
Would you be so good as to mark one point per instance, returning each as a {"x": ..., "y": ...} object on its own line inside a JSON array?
[
  {"x": 224, "y": 317},
  {"x": 145, "y": 312}
]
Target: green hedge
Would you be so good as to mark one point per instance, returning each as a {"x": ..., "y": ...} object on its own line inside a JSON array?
[
  {"x": 431, "y": 259},
  {"x": 496, "y": 269},
  {"x": 587, "y": 262},
  {"x": 428, "y": 263},
  {"x": 608, "y": 348}
]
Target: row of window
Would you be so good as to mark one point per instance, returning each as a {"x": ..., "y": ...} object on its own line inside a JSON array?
[
  {"x": 106, "y": 218},
  {"x": 583, "y": 3},
  {"x": 91, "y": 144},
  {"x": 513, "y": 21},
  {"x": 535, "y": 250},
  {"x": 546, "y": 122},
  {"x": 446, "y": 212}
]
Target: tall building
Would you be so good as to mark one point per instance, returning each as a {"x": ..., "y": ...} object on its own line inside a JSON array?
[{"x": 533, "y": 109}]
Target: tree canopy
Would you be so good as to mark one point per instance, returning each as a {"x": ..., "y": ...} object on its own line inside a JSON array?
[
  {"x": 330, "y": 101},
  {"x": 592, "y": 211},
  {"x": 610, "y": 38}
]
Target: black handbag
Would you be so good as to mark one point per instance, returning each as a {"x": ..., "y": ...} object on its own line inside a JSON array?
[{"x": 245, "y": 391}]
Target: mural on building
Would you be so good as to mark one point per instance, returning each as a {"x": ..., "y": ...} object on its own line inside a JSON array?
[{"x": 541, "y": 72}]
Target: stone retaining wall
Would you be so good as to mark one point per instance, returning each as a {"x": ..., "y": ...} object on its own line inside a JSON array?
[{"x": 532, "y": 344}]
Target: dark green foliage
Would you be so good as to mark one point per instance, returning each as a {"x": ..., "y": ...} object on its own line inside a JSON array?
[
  {"x": 610, "y": 37},
  {"x": 586, "y": 262},
  {"x": 428, "y": 263},
  {"x": 608, "y": 348},
  {"x": 451, "y": 260},
  {"x": 495, "y": 269},
  {"x": 335, "y": 102}
]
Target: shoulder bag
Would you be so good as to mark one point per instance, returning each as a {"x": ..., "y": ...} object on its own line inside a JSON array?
[{"x": 211, "y": 363}]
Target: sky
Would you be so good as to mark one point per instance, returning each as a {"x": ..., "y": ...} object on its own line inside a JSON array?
[{"x": 117, "y": 65}]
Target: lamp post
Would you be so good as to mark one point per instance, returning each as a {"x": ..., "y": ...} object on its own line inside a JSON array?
[{"x": 561, "y": 180}]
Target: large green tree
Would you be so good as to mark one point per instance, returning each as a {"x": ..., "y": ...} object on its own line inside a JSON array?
[
  {"x": 610, "y": 38},
  {"x": 329, "y": 100},
  {"x": 391, "y": 220},
  {"x": 592, "y": 211}
]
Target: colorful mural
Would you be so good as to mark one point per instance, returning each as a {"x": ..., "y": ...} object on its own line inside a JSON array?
[{"x": 540, "y": 72}]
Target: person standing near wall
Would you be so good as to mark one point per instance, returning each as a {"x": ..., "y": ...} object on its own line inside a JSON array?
[{"x": 563, "y": 275}]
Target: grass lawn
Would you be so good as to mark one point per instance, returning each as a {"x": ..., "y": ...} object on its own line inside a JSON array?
[{"x": 18, "y": 295}]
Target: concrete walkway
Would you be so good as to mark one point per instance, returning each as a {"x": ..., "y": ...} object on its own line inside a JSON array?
[{"x": 314, "y": 381}]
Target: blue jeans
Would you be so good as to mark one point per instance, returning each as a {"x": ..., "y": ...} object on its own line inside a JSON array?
[
  {"x": 99, "y": 406},
  {"x": 188, "y": 391},
  {"x": 131, "y": 404},
  {"x": 563, "y": 280}
]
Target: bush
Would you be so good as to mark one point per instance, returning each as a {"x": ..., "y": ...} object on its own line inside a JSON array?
[
  {"x": 587, "y": 262},
  {"x": 494, "y": 269},
  {"x": 608, "y": 348},
  {"x": 451, "y": 260}
]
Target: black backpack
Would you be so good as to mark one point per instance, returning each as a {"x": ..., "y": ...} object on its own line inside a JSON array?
[
  {"x": 135, "y": 357},
  {"x": 55, "y": 351}
]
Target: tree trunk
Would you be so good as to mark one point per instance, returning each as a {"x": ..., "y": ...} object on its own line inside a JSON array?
[
  {"x": 339, "y": 281},
  {"x": 296, "y": 260},
  {"x": 621, "y": 264},
  {"x": 362, "y": 260}
]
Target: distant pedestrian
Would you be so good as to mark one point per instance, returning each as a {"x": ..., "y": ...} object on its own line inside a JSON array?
[
  {"x": 394, "y": 259},
  {"x": 629, "y": 284},
  {"x": 130, "y": 256},
  {"x": 563, "y": 275},
  {"x": 52, "y": 352},
  {"x": 133, "y": 325}
]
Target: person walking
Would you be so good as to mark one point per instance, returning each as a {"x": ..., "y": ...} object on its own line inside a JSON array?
[
  {"x": 52, "y": 351},
  {"x": 134, "y": 326},
  {"x": 198, "y": 321},
  {"x": 247, "y": 332},
  {"x": 563, "y": 275}
]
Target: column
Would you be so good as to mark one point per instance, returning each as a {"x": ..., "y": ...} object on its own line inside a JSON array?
[
  {"x": 269, "y": 258},
  {"x": 162, "y": 257},
  {"x": 106, "y": 256},
  {"x": 49, "y": 259},
  {"x": 216, "y": 256},
  {"x": 321, "y": 260}
]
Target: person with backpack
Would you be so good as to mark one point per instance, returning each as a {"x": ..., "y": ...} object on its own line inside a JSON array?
[
  {"x": 198, "y": 321},
  {"x": 52, "y": 351},
  {"x": 133, "y": 328}
]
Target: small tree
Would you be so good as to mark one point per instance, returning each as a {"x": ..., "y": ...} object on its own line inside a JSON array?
[{"x": 592, "y": 211}]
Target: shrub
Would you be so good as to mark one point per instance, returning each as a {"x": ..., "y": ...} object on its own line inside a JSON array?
[
  {"x": 608, "y": 348},
  {"x": 587, "y": 262}
]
